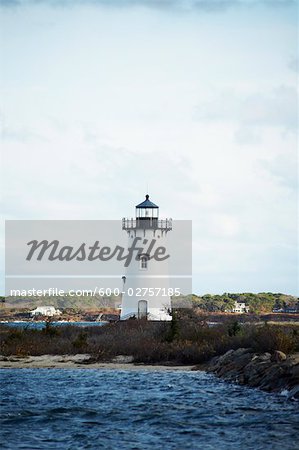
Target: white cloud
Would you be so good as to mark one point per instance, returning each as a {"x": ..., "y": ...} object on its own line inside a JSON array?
[
  {"x": 284, "y": 167},
  {"x": 294, "y": 64},
  {"x": 278, "y": 107}
]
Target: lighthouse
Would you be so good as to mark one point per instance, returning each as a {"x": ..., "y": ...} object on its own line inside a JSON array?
[{"x": 146, "y": 292}]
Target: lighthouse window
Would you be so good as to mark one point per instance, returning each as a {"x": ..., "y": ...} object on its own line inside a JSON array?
[{"x": 143, "y": 262}]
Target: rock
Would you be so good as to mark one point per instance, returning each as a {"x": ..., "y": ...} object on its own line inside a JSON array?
[
  {"x": 272, "y": 373},
  {"x": 263, "y": 357},
  {"x": 233, "y": 370},
  {"x": 273, "y": 379},
  {"x": 278, "y": 356},
  {"x": 295, "y": 371},
  {"x": 228, "y": 358},
  {"x": 295, "y": 359},
  {"x": 225, "y": 358},
  {"x": 254, "y": 372},
  {"x": 241, "y": 351},
  {"x": 123, "y": 359},
  {"x": 294, "y": 393}
]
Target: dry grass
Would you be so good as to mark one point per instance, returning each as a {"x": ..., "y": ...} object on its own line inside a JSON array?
[{"x": 187, "y": 340}]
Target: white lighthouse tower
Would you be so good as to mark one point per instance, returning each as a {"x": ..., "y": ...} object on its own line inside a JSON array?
[{"x": 146, "y": 282}]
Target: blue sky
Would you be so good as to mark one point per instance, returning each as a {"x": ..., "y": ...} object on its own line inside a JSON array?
[{"x": 194, "y": 101}]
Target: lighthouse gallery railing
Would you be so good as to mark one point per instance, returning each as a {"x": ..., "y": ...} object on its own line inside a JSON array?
[{"x": 161, "y": 224}]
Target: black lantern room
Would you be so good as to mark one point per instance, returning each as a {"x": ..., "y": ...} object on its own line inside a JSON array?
[{"x": 147, "y": 210}]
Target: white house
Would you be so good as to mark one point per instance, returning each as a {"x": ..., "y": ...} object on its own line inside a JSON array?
[
  {"x": 146, "y": 282},
  {"x": 240, "y": 308},
  {"x": 49, "y": 311}
]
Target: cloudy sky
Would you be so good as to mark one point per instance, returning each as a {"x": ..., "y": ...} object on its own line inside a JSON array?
[{"x": 193, "y": 101}]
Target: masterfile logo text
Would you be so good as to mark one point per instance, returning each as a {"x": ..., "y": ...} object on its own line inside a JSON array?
[
  {"x": 94, "y": 256},
  {"x": 54, "y": 251}
]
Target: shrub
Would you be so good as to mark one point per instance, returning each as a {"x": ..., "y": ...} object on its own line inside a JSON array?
[
  {"x": 50, "y": 329},
  {"x": 173, "y": 332},
  {"x": 184, "y": 340},
  {"x": 269, "y": 338},
  {"x": 80, "y": 342},
  {"x": 234, "y": 328}
]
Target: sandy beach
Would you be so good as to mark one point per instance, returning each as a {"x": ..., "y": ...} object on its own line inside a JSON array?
[{"x": 79, "y": 361}]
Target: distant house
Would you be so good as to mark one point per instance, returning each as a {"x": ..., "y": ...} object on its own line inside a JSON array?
[
  {"x": 287, "y": 309},
  {"x": 239, "y": 308},
  {"x": 48, "y": 311},
  {"x": 291, "y": 309}
]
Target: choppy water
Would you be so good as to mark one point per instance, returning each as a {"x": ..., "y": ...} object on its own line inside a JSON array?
[
  {"x": 111, "y": 409},
  {"x": 41, "y": 324}
]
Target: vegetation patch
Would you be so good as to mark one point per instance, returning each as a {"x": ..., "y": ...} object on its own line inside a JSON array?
[{"x": 187, "y": 339}]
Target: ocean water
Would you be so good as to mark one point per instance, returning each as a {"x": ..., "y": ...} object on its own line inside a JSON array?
[
  {"x": 113, "y": 409},
  {"x": 41, "y": 324}
]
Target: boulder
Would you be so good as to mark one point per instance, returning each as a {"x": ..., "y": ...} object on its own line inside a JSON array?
[
  {"x": 272, "y": 373},
  {"x": 228, "y": 359},
  {"x": 123, "y": 359},
  {"x": 273, "y": 379},
  {"x": 263, "y": 357},
  {"x": 278, "y": 356},
  {"x": 254, "y": 372},
  {"x": 233, "y": 370},
  {"x": 294, "y": 392},
  {"x": 295, "y": 359}
]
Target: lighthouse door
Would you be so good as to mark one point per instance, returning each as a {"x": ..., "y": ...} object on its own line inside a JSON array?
[{"x": 142, "y": 309}]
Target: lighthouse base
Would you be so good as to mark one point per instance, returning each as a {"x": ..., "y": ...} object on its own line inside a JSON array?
[{"x": 152, "y": 314}]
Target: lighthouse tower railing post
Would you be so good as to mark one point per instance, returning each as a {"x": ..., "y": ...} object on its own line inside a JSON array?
[{"x": 145, "y": 275}]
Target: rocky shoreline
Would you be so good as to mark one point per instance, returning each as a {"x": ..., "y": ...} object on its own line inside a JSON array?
[{"x": 274, "y": 372}]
